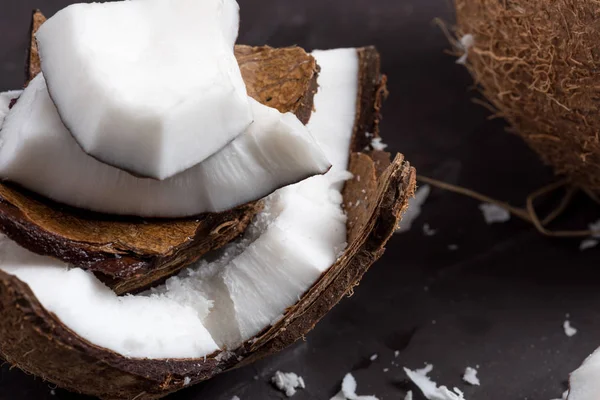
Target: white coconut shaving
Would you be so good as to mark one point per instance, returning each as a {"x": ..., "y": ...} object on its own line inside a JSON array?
[
  {"x": 470, "y": 377},
  {"x": 569, "y": 330},
  {"x": 583, "y": 382},
  {"x": 348, "y": 390},
  {"x": 428, "y": 230},
  {"x": 409, "y": 395},
  {"x": 374, "y": 357},
  {"x": 223, "y": 301},
  {"x": 377, "y": 144},
  {"x": 465, "y": 43},
  {"x": 493, "y": 213},
  {"x": 414, "y": 208},
  {"x": 187, "y": 380},
  {"x": 235, "y": 398},
  {"x": 288, "y": 382},
  {"x": 588, "y": 244},
  {"x": 429, "y": 388}
]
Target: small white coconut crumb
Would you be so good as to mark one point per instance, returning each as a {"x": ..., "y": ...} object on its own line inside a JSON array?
[
  {"x": 396, "y": 353},
  {"x": 186, "y": 381},
  {"x": 374, "y": 357},
  {"x": 52, "y": 392},
  {"x": 588, "y": 244},
  {"x": 235, "y": 398},
  {"x": 414, "y": 208},
  {"x": 428, "y": 231},
  {"x": 386, "y": 369},
  {"x": 377, "y": 144},
  {"x": 408, "y": 395},
  {"x": 429, "y": 388},
  {"x": 452, "y": 247},
  {"x": 287, "y": 382},
  {"x": 470, "y": 376},
  {"x": 466, "y": 42},
  {"x": 569, "y": 330},
  {"x": 348, "y": 391},
  {"x": 493, "y": 213}
]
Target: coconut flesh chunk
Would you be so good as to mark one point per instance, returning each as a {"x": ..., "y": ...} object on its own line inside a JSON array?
[
  {"x": 37, "y": 152},
  {"x": 245, "y": 287},
  {"x": 583, "y": 382},
  {"x": 149, "y": 86}
]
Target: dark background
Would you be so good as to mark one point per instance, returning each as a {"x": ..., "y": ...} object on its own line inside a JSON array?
[{"x": 499, "y": 301}]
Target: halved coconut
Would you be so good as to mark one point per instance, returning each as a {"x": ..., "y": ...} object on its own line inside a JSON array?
[
  {"x": 131, "y": 253},
  {"x": 147, "y": 86},
  {"x": 286, "y": 244}
]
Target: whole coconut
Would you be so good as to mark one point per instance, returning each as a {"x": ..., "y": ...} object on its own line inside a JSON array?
[{"x": 538, "y": 63}]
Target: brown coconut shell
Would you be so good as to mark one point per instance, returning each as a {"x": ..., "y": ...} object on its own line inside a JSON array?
[
  {"x": 130, "y": 254},
  {"x": 536, "y": 62},
  {"x": 37, "y": 342}
]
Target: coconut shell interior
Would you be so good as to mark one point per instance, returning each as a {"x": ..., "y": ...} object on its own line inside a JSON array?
[
  {"x": 536, "y": 62},
  {"x": 130, "y": 254},
  {"x": 36, "y": 341}
]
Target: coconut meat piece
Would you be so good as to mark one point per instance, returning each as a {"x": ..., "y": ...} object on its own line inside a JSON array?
[
  {"x": 37, "y": 152},
  {"x": 229, "y": 297},
  {"x": 149, "y": 86}
]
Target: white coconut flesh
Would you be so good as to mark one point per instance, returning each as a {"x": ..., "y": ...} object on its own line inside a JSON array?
[
  {"x": 583, "y": 382},
  {"x": 150, "y": 86},
  {"x": 37, "y": 152},
  {"x": 5, "y": 99},
  {"x": 222, "y": 301}
]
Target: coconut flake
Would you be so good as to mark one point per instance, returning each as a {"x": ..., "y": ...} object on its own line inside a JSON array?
[
  {"x": 287, "y": 382},
  {"x": 377, "y": 144},
  {"x": 374, "y": 357},
  {"x": 186, "y": 381},
  {"x": 429, "y": 388},
  {"x": 235, "y": 398},
  {"x": 409, "y": 395},
  {"x": 428, "y": 231},
  {"x": 348, "y": 390},
  {"x": 470, "y": 376},
  {"x": 588, "y": 244},
  {"x": 493, "y": 213},
  {"x": 569, "y": 330},
  {"x": 414, "y": 208},
  {"x": 583, "y": 382},
  {"x": 465, "y": 43}
]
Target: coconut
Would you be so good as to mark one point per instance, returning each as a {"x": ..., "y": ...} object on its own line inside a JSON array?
[
  {"x": 131, "y": 253},
  {"x": 535, "y": 61},
  {"x": 39, "y": 340}
]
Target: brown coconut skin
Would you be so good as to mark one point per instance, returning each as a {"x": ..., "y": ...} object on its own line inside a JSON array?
[
  {"x": 536, "y": 62},
  {"x": 131, "y": 254},
  {"x": 37, "y": 342}
]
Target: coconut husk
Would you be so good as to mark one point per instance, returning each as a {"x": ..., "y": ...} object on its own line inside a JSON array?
[
  {"x": 536, "y": 63},
  {"x": 130, "y": 254},
  {"x": 36, "y": 341}
]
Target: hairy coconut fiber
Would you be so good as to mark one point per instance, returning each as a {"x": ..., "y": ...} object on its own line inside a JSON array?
[{"x": 537, "y": 62}]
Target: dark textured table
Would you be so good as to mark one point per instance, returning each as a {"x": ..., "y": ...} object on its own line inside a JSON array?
[{"x": 499, "y": 301}]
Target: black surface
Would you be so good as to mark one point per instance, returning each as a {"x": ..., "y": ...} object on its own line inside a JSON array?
[{"x": 499, "y": 301}]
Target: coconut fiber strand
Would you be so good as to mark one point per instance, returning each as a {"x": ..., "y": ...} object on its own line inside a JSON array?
[{"x": 538, "y": 63}]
